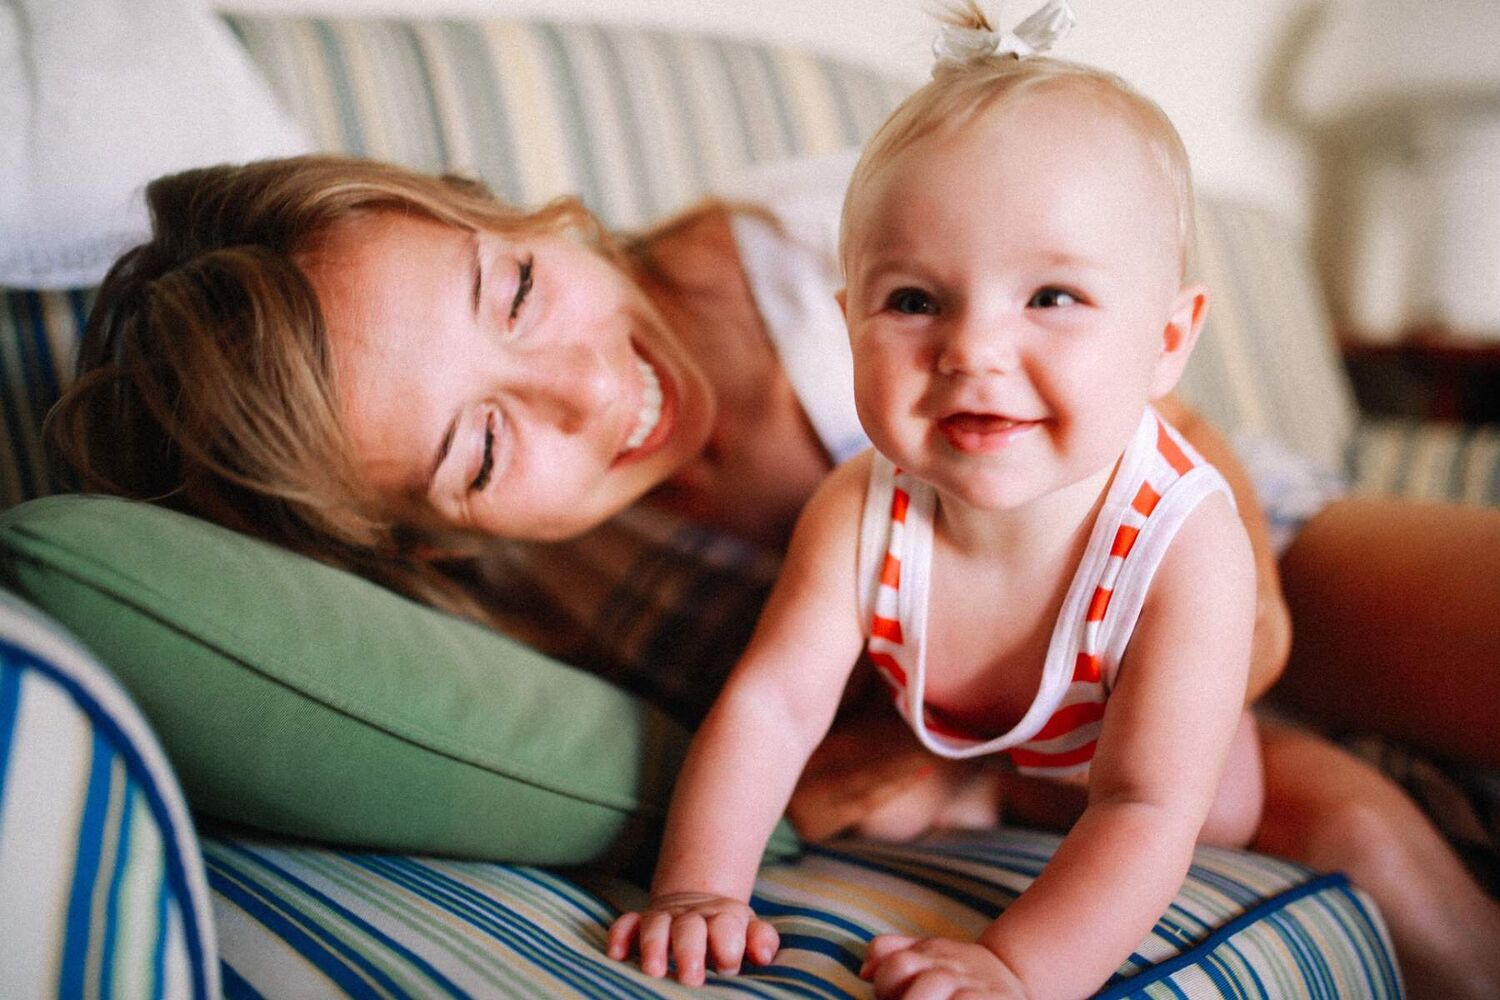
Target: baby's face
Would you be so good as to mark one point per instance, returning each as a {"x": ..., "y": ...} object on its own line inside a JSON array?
[{"x": 1012, "y": 291}]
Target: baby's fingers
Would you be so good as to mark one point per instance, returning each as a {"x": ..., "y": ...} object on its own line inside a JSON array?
[
  {"x": 654, "y": 936},
  {"x": 762, "y": 941},
  {"x": 689, "y": 945},
  {"x": 622, "y": 935},
  {"x": 881, "y": 948}
]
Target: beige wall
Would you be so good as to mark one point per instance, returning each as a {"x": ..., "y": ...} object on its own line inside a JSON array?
[{"x": 1205, "y": 61}]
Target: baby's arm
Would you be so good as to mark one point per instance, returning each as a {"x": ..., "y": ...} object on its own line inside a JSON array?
[
  {"x": 745, "y": 759},
  {"x": 1167, "y": 731}
]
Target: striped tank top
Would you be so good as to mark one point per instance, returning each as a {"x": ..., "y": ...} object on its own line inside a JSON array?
[{"x": 1160, "y": 480}]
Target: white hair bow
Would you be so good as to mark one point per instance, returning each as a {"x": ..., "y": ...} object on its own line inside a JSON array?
[{"x": 1038, "y": 33}]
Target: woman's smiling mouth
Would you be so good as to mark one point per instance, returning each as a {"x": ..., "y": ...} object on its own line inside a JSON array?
[{"x": 652, "y": 418}]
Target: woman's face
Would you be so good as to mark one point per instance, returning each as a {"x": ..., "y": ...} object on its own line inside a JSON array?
[{"x": 516, "y": 387}]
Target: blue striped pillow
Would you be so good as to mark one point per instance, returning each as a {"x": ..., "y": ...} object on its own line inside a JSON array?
[
  {"x": 102, "y": 891},
  {"x": 301, "y": 921}
]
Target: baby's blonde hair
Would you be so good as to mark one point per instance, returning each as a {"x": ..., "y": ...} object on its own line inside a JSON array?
[{"x": 961, "y": 92}]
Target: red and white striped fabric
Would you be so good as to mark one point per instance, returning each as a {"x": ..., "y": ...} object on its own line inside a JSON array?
[{"x": 1160, "y": 480}]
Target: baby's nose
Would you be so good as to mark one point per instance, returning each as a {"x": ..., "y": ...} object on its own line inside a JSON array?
[{"x": 976, "y": 345}]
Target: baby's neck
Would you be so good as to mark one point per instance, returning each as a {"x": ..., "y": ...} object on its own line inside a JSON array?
[{"x": 1036, "y": 530}]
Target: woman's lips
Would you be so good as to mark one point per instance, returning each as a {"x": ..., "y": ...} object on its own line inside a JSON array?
[{"x": 982, "y": 433}]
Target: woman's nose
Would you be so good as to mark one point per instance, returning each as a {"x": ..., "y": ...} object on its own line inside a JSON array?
[
  {"x": 569, "y": 387},
  {"x": 978, "y": 344}
]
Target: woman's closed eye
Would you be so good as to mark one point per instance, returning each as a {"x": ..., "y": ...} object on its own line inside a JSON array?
[
  {"x": 523, "y": 286},
  {"x": 487, "y": 462},
  {"x": 1052, "y": 298},
  {"x": 911, "y": 302}
]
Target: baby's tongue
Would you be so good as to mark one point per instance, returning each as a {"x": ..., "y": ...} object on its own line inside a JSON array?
[{"x": 977, "y": 423}]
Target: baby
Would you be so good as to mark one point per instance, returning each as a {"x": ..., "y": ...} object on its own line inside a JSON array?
[{"x": 1037, "y": 565}]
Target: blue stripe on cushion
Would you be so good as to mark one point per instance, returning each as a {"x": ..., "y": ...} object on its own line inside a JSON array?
[
  {"x": 106, "y": 728},
  {"x": 350, "y": 132},
  {"x": 235, "y": 986},
  {"x": 10, "y": 706},
  {"x": 91, "y": 834},
  {"x": 1389, "y": 979},
  {"x": 116, "y": 879},
  {"x": 408, "y": 34},
  {"x": 576, "y": 123},
  {"x": 495, "y": 143},
  {"x": 677, "y": 79},
  {"x": 342, "y": 963},
  {"x": 1267, "y": 909},
  {"x": 913, "y": 870},
  {"x": 496, "y": 921},
  {"x": 159, "y": 952}
]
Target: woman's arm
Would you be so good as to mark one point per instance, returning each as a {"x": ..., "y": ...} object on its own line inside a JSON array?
[
  {"x": 1395, "y": 604},
  {"x": 748, "y": 753}
]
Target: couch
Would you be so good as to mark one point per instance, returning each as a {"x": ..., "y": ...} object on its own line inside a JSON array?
[{"x": 224, "y": 768}]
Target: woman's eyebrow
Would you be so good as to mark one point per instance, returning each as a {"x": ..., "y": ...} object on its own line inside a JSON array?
[
  {"x": 476, "y": 270},
  {"x": 444, "y": 446},
  {"x": 476, "y": 285}
]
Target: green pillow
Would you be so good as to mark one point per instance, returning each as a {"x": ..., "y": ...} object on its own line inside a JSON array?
[{"x": 300, "y": 699}]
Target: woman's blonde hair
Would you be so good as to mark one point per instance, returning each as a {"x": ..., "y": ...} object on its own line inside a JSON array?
[
  {"x": 205, "y": 381},
  {"x": 961, "y": 91}
]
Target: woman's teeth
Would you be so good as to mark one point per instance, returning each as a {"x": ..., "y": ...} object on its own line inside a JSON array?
[{"x": 645, "y": 421}]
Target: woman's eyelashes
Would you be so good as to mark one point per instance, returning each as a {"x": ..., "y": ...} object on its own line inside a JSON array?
[
  {"x": 523, "y": 286},
  {"x": 487, "y": 461}
]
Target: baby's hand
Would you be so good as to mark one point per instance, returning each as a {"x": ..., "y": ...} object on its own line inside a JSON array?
[
  {"x": 937, "y": 969},
  {"x": 693, "y": 924}
]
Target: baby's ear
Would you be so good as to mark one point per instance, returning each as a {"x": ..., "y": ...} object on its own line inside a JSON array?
[
  {"x": 1178, "y": 337},
  {"x": 842, "y": 298}
]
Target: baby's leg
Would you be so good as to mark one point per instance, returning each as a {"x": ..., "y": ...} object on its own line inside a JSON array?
[
  {"x": 1328, "y": 809},
  {"x": 1235, "y": 814},
  {"x": 946, "y": 795}
]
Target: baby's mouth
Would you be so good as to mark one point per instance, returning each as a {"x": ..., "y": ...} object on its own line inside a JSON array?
[{"x": 982, "y": 432}]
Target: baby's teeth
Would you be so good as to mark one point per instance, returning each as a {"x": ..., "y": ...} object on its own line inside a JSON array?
[{"x": 645, "y": 421}]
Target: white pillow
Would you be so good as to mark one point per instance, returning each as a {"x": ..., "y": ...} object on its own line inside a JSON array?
[{"x": 97, "y": 97}]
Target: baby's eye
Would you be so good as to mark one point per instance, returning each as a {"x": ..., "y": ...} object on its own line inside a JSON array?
[
  {"x": 911, "y": 302},
  {"x": 1051, "y": 298}
]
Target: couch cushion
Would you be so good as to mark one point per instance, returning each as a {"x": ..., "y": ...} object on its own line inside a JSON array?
[
  {"x": 295, "y": 921},
  {"x": 101, "y": 883},
  {"x": 300, "y": 699},
  {"x": 636, "y": 121},
  {"x": 1266, "y": 365}
]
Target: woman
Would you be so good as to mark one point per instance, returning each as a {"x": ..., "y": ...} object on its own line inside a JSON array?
[{"x": 390, "y": 372}]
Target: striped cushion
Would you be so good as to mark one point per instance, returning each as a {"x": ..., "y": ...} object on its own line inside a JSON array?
[
  {"x": 1265, "y": 364},
  {"x": 298, "y": 921},
  {"x": 1427, "y": 461},
  {"x": 102, "y": 890},
  {"x": 637, "y": 121}
]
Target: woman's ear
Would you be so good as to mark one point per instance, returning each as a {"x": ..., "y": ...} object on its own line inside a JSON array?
[{"x": 1178, "y": 337}]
